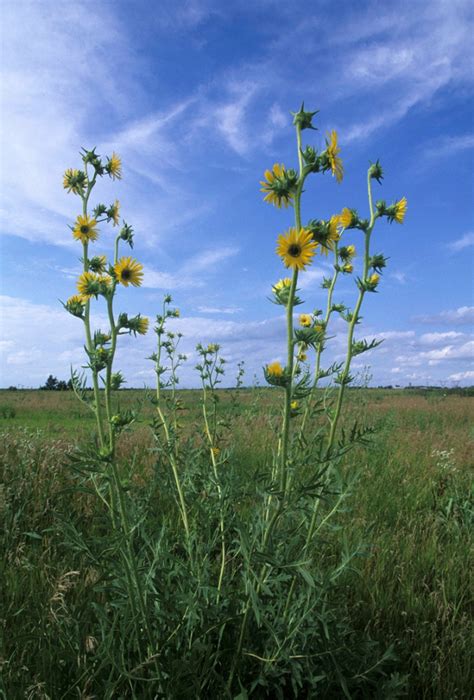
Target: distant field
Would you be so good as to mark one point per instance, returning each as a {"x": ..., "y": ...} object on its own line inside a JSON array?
[{"x": 411, "y": 508}]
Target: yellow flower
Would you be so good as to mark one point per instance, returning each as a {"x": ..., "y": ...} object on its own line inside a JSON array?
[
  {"x": 88, "y": 285},
  {"x": 345, "y": 218},
  {"x": 215, "y": 451},
  {"x": 282, "y": 284},
  {"x": 274, "y": 369},
  {"x": 306, "y": 320},
  {"x": 294, "y": 405},
  {"x": 296, "y": 248},
  {"x": 319, "y": 328},
  {"x": 73, "y": 180},
  {"x": 142, "y": 325},
  {"x": 348, "y": 268},
  {"x": 351, "y": 250},
  {"x": 98, "y": 263},
  {"x": 129, "y": 271},
  {"x": 302, "y": 357},
  {"x": 114, "y": 212},
  {"x": 374, "y": 279},
  {"x": 276, "y": 186},
  {"x": 114, "y": 167},
  {"x": 400, "y": 210},
  {"x": 85, "y": 229},
  {"x": 332, "y": 150},
  {"x": 75, "y": 305}
]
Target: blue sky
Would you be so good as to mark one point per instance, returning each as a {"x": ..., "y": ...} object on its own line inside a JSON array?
[{"x": 195, "y": 97}]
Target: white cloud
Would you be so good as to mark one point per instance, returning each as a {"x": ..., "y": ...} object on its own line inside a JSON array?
[
  {"x": 463, "y": 242},
  {"x": 460, "y": 376},
  {"x": 217, "y": 310},
  {"x": 437, "y": 338},
  {"x": 448, "y": 146},
  {"x": 456, "y": 317}
]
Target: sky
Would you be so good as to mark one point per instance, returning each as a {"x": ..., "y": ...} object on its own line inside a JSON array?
[{"x": 195, "y": 96}]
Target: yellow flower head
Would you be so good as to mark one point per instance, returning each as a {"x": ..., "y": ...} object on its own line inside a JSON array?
[
  {"x": 351, "y": 250},
  {"x": 85, "y": 229},
  {"x": 306, "y": 320},
  {"x": 113, "y": 214},
  {"x": 215, "y": 451},
  {"x": 302, "y": 357},
  {"x": 73, "y": 180},
  {"x": 348, "y": 268},
  {"x": 277, "y": 186},
  {"x": 400, "y": 210},
  {"x": 75, "y": 305},
  {"x": 332, "y": 151},
  {"x": 274, "y": 369},
  {"x": 284, "y": 283},
  {"x": 129, "y": 271},
  {"x": 319, "y": 328},
  {"x": 296, "y": 248},
  {"x": 114, "y": 167},
  {"x": 294, "y": 405},
  {"x": 88, "y": 285},
  {"x": 98, "y": 263},
  {"x": 142, "y": 325},
  {"x": 345, "y": 218},
  {"x": 374, "y": 279}
]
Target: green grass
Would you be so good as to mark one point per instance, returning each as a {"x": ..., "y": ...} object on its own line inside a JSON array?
[{"x": 411, "y": 510}]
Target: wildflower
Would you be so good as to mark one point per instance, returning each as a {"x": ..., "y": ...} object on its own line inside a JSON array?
[
  {"x": 126, "y": 234},
  {"x": 374, "y": 279},
  {"x": 306, "y": 320},
  {"x": 296, "y": 248},
  {"x": 85, "y": 229},
  {"x": 284, "y": 283},
  {"x": 400, "y": 210},
  {"x": 274, "y": 369},
  {"x": 302, "y": 357},
  {"x": 129, "y": 271},
  {"x": 294, "y": 405},
  {"x": 348, "y": 268},
  {"x": 75, "y": 305},
  {"x": 105, "y": 284},
  {"x": 98, "y": 263},
  {"x": 113, "y": 212},
  {"x": 74, "y": 180},
  {"x": 304, "y": 119},
  {"x": 332, "y": 151},
  {"x": 278, "y": 185},
  {"x": 94, "y": 159},
  {"x": 114, "y": 167},
  {"x": 142, "y": 325},
  {"x": 88, "y": 285},
  {"x": 215, "y": 452},
  {"x": 346, "y": 218},
  {"x": 376, "y": 172},
  {"x": 351, "y": 251},
  {"x": 319, "y": 328},
  {"x": 325, "y": 233}
]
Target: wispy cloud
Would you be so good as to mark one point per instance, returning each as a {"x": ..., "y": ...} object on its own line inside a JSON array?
[
  {"x": 462, "y": 243},
  {"x": 456, "y": 317}
]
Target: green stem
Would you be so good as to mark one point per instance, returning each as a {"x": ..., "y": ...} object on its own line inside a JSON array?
[{"x": 87, "y": 326}]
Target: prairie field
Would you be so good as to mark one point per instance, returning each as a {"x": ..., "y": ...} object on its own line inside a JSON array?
[{"x": 408, "y": 517}]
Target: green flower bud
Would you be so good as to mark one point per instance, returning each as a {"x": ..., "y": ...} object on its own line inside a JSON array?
[
  {"x": 376, "y": 172},
  {"x": 304, "y": 119}
]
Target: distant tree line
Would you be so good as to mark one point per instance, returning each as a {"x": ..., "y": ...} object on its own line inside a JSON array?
[{"x": 54, "y": 384}]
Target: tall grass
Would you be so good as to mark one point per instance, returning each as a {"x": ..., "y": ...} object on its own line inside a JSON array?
[{"x": 409, "y": 585}]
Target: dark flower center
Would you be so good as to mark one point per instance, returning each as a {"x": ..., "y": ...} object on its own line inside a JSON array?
[
  {"x": 85, "y": 229},
  {"x": 294, "y": 250},
  {"x": 126, "y": 274}
]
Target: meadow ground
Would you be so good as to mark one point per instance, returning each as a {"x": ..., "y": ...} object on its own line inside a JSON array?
[{"x": 411, "y": 510}]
